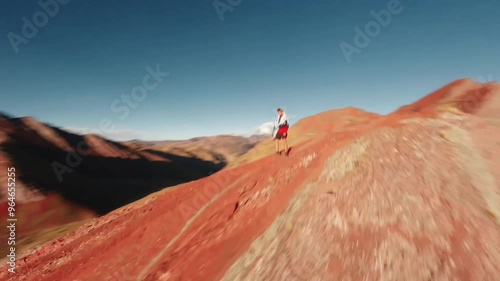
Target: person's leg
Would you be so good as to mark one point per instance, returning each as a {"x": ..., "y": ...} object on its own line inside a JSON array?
[
  {"x": 286, "y": 145},
  {"x": 277, "y": 145}
]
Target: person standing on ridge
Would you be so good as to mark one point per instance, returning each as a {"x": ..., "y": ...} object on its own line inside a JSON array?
[{"x": 280, "y": 131}]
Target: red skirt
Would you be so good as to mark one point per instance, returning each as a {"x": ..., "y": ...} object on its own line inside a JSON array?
[
  {"x": 283, "y": 130},
  {"x": 282, "y": 133}
]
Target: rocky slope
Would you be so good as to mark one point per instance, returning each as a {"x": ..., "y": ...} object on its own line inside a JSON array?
[
  {"x": 413, "y": 195},
  {"x": 64, "y": 178}
]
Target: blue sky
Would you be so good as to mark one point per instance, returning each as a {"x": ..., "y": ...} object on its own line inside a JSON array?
[{"x": 229, "y": 76}]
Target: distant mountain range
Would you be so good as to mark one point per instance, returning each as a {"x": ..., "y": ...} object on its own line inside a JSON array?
[
  {"x": 217, "y": 149},
  {"x": 411, "y": 195},
  {"x": 65, "y": 178}
]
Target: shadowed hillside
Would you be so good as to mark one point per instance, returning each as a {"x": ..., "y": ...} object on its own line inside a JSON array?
[
  {"x": 103, "y": 183},
  {"x": 92, "y": 177},
  {"x": 103, "y": 175},
  {"x": 413, "y": 195}
]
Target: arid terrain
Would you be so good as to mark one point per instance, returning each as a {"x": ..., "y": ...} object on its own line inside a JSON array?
[
  {"x": 216, "y": 149},
  {"x": 412, "y": 195},
  {"x": 65, "y": 179}
]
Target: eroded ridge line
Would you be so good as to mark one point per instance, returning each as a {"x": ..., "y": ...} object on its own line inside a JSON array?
[{"x": 186, "y": 226}]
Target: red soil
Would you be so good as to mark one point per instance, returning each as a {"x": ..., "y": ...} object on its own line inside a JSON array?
[
  {"x": 45, "y": 206},
  {"x": 409, "y": 196}
]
